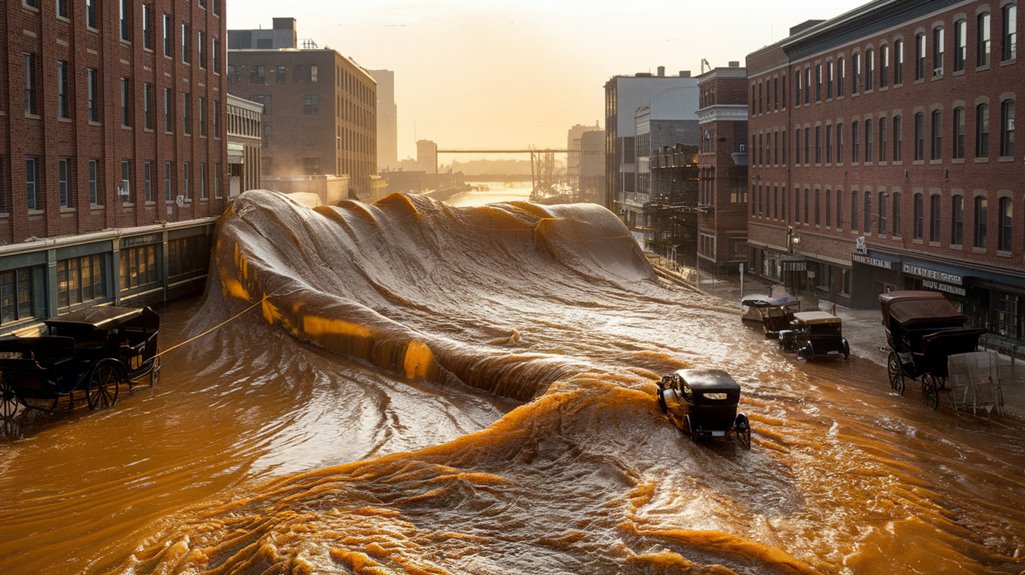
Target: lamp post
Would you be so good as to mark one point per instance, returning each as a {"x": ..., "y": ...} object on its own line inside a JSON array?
[{"x": 793, "y": 242}]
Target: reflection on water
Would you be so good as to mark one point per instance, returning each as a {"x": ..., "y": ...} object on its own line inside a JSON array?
[
  {"x": 491, "y": 193},
  {"x": 430, "y": 389}
]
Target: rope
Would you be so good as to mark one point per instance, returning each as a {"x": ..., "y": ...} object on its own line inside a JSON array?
[{"x": 212, "y": 329}]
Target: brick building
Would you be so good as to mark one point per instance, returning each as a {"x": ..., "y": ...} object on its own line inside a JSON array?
[
  {"x": 319, "y": 112},
  {"x": 722, "y": 169},
  {"x": 111, "y": 151},
  {"x": 882, "y": 154}
]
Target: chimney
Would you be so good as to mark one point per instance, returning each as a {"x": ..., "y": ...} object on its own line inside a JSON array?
[
  {"x": 685, "y": 73},
  {"x": 734, "y": 63},
  {"x": 661, "y": 71}
]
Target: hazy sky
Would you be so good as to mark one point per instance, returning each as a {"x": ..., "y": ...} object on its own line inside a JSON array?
[{"x": 504, "y": 73}]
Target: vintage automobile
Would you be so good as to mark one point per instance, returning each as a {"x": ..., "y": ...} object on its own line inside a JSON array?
[
  {"x": 815, "y": 335},
  {"x": 703, "y": 403},
  {"x": 772, "y": 312},
  {"x": 91, "y": 350},
  {"x": 923, "y": 330}
]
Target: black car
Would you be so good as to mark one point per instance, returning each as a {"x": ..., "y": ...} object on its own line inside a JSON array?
[{"x": 703, "y": 403}]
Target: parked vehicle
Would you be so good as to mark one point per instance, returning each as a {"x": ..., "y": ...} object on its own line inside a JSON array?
[
  {"x": 92, "y": 350},
  {"x": 923, "y": 329},
  {"x": 772, "y": 312},
  {"x": 703, "y": 403},
  {"x": 815, "y": 335}
]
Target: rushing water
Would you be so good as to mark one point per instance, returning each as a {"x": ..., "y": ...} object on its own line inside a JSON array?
[{"x": 413, "y": 387}]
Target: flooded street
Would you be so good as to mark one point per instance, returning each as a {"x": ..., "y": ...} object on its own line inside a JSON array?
[{"x": 413, "y": 387}]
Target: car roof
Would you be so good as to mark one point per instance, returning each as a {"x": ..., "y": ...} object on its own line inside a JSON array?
[
  {"x": 703, "y": 379},
  {"x": 816, "y": 317},
  {"x": 100, "y": 317}
]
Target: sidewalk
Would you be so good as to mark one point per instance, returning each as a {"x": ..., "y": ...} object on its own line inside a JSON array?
[{"x": 862, "y": 327}]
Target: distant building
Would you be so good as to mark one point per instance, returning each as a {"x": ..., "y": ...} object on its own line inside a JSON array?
[
  {"x": 427, "y": 156},
  {"x": 281, "y": 36},
  {"x": 387, "y": 120},
  {"x": 591, "y": 184},
  {"x": 668, "y": 98},
  {"x": 319, "y": 113},
  {"x": 722, "y": 184},
  {"x": 574, "y": 144},
  {"x": 883, "y": 155},
  {"x": 112, "y": 155},
  {"x": 244, "y": 142}
]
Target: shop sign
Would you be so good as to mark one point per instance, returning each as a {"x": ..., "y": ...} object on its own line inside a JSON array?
[
  {"x": 870, "y": 261},
  {"x": 935, "y": 275},
  {"x": 795, "y": 266},
  {"x": 937, "y": 286}
]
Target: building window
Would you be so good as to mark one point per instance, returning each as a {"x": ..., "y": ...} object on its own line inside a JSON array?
[
  {"x": 839, "y": 143},
  {"x": 956, "y": 220},
  {"x": 62, "y": 8},
  {"x": 934, "y": 217},
  {"x": 90, "y": 13},
  {"x": 124, "y": 189},
  {"x": 884, "y": 203},
  {"x": 310, "y": 104},
  {"x": 868, "y": 140},
  {"x": 168, "y": 182},
  {"x": 917, "y": 217},
  {"x": 855, "y": 141},
  {"x": 870, "y": 69},
  {"x": 64, "y": 181},
  {"x": 187, "y": 180},
  {"x": 841, "y": 75},
  {"x": 147, "y": 26},
  {"x": 201, "y": 49},
  {"x": 168, "y": 37},
  {"x": 829, "y": 208},
  {"x": 817, "y": 208},
  {"x": 147, "y": 180},
  {"x": 92, "y": 81},
  {"x": 126, "y": 103},
  {"x": 256, "y": 74},
  {"x": 839, "y": 210},
  {"x": 829, "y": 143},
  {"x": 147, "y": 105},
  {"x": 215, "y": 55},
  {"x": 936, "y": 138},
  {"x": 818, "y": 82},
  {"x": 982, "y": 40},
  {"x": 32, "y": 182},
  {"x": 937, "y": 51},
  {"x": 919, "y": 136},
  {"x": 855, "y": 72},
  {"x": 63, "y": 97},
  {"x": 960, "y": 45},
  {"x": 896, "y": 214},
  {"x": 797, "y": 146},
  {"x": 217, "y": 180},
  {"x": 281, "y": 74},
  {"x": 80, "y": 280},
  {"x": 898, "y": 139},
  {"x": 898, "y": 62},
  {"x": 217, "y": 118},
  {"x": 201, "y": 107},
  {"x": 1006, "y": 229},
  {"x": 138, "y": 267},
  {"x": 959, "y": 132},
  {"x": 807, "y": 200},
  {"x": 186, "y": 44},
  {"x": 186, "y": 113},
  {"x": 95, "y": 198},
  {"x": 125, "y": 18},
  {"x": 807, "y": 145},
  {"x": 1009, "y": 35},
  {"x": 818, "y": 144},
  {"x": 202, "y": 181},
  {"x": 854, "y": 210},
  {"x": 982, "y": 131},
  {"x": 17, "y": 301},
  {"x": 1007, "y": 128},
  {"x": 31, "y": 85},
  {"x": 867, "y": 221},
  {"x": 979, "y": 236},
  {"x": 884, "y": 66},
  {"x": 882, "y": 139},
  {"x": 919, "y": 56}
]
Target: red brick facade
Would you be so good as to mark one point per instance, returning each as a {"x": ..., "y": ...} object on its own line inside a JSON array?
[
  {"x": 46, "y": 121},
  {"x": 866, "y": 141}
]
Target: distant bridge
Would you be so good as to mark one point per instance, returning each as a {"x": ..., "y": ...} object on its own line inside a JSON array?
[{"x": 544, "y": 180}]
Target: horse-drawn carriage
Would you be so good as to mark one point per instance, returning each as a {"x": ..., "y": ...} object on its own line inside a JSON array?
[
  {"x": 91, "y": 350},
  {"x": 923, "y": 330}
]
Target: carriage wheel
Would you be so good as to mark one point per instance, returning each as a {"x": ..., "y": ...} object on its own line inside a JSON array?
[
  {"x": 895, "y": 373},
  {"x": 103, "y": 385},
  {"x": 743, "y": 428},
  {"x": 8, "y": 400},
  {"x": 662, "y": 401},
  {"x": 930, "y": 391},
  {"x": 154, "y": 374}
]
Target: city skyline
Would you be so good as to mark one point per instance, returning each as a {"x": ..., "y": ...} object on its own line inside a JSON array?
[{"x": 522, "y": 73}]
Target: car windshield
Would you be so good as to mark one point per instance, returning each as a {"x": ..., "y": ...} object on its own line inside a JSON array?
[{"x": 715, "y": 395}]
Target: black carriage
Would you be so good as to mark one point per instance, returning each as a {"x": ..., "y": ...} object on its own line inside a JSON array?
[
  {"x": 774, "y": 313},
  {"x": 923, "y": 329},
  {"x": 703, "y": 403},
  {"x": 92, "y": 350},
  {"x": 815, "y": 335}
]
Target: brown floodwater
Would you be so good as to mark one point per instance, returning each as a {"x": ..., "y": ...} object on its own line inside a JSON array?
[{"x": 410, "y": 387}]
